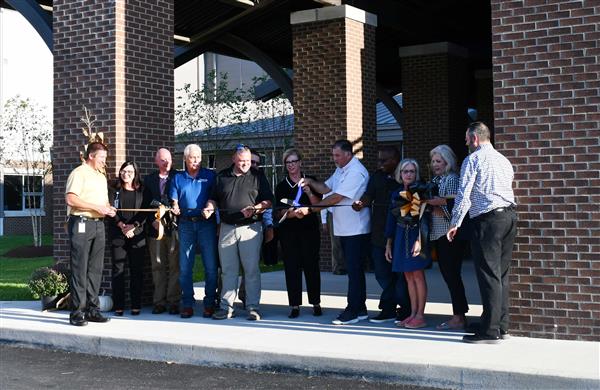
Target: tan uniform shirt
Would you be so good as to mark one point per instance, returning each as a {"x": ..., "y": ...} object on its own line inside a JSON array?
[{"x": 90, "y": 186}]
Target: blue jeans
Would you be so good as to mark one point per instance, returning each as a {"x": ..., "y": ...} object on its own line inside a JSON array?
[
  {"x": 355, "y": 248},
  {"x": 203, "y": 234},
  {"x": 394, "y": 289}
]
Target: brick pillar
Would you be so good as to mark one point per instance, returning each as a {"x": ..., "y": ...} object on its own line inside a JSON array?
[
  {"x": 434, "y": 92},
  {"x": 115, "y": 58},
  {"x": 334, "y": 88},
  {"x": 546, "y": 88}
]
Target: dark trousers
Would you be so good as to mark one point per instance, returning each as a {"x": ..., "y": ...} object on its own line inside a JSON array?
[
  {"x": 450, "y": 258},
  {"x": 270, "y": 249},
  {"x": 87, "y": 260},
  {"x": 301, "y": 253},
  {"x": 393, "y": 285},
  {"x": 355, "y": 249},
  {"x": 127, "y": 254},
  {"x": 492, "y": 245}
]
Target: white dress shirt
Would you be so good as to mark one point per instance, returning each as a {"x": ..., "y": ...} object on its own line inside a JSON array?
[{"x": 350, "y": 182}]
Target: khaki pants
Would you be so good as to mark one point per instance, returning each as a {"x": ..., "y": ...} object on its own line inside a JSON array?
[
  {"x": 240, "y": 244},
  {"x": 164, "y": 256}
]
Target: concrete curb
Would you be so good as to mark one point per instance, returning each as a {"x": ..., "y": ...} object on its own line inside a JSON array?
[{"x": 390, "y": 372}]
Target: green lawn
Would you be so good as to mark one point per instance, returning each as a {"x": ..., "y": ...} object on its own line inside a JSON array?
[{"x": 15, "y": 273}]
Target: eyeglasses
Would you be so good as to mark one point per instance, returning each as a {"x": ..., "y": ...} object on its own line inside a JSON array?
[
  {"x": 407, "y": 171},
  {"x": 291, "y": 162}
]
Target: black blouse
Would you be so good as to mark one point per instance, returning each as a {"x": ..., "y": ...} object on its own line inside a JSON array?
[{"x": 288, "y": 189}]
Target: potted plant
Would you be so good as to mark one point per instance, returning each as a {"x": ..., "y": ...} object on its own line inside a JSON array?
[{"x": 48, "y": 285}]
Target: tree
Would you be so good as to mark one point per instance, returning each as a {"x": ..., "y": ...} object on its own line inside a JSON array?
[
  {"x": 217, "y": 114},
  {"x": 26, "y": 139}
]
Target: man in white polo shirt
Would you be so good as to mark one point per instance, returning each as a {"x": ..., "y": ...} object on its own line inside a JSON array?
[{"x": 347, "y": 184}]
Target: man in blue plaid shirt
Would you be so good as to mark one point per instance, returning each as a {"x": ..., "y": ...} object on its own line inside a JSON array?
[{"x": 486, "y": 192}]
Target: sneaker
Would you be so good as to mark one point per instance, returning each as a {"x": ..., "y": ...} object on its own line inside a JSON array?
[
  {"x": 208, "y": 312},
  {"x": 346, "y": 318},
  {"x": 159, "y": 309},
  {"x": 382, "y": 317},
  {"x": 77, "y": 318},
  {"x": 253, "y": 315},
  {"x": 187, "y": 312},
  {"x": 222, "y": 314},
  {"x": 96, "y": 316},
  {"x": 363, "y": 315}
]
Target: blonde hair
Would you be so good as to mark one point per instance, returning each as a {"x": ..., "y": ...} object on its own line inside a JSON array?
[
  {"x": 289, "y": 152},
  {"x": 402, "y": 165},
  {"x": 447, "y": 155}
]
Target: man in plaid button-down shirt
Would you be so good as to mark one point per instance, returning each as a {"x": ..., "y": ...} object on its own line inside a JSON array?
[{"x": 485, "y": 191}]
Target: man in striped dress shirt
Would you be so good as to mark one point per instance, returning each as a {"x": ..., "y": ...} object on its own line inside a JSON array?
[{"x": 486, "y": 192}]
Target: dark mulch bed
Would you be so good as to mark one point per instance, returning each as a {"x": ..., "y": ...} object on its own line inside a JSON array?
[{"x": 30, "y": 251}]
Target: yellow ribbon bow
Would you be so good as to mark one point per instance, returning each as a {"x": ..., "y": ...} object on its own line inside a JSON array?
[{"x": 413, "y": 206}]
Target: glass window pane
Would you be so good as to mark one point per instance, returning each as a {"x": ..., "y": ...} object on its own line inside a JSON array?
[
  {"x": 33, "y": 201},
  {"x": 13, "y": 193},
  {"x": 33, "y": 184}
]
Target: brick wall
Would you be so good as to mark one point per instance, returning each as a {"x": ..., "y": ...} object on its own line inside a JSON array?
[
  {"x": 434, "y": 91},
  {"x": 547, "y": 98},
  {"x": 116, "y": 59},
  {"x": 334, "y": 95}
]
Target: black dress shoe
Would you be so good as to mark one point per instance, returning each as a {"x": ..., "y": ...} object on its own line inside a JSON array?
[
  {"x": 96, "y": 316},
  {"x": 174, "y": 309},
  {"x": 294, "y": 313},
  {"x": 317, "y": 311},
  {"x": 481, "y": 339},
  {"x": 159, "y": 309},
  {"x": 77, "y": 318},
  {"x": 476, "y": 326}
]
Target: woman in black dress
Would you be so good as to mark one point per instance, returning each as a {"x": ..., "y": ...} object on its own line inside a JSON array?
[
  {"x": 127, "y": 238},
  {"x": 299, "y": 236}
]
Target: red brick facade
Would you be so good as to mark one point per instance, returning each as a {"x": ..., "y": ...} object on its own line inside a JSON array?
[
  {"x": 334, "y": 95},
  {"x": 547, "y": 99},
  {"x": 115, "y": 58},
  {"x": 434, "y": 91}
]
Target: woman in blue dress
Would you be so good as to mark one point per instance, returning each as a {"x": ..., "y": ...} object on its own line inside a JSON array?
[{"x": 403, "y": 246}]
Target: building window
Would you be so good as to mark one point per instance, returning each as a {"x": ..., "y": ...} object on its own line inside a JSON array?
[
  {"x": 272, "y": 167},
  {"x": 23, "y": 193},
  {"x": 212, "y": 161}
]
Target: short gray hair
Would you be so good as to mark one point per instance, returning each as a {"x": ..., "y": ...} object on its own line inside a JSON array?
[
  {"x": 402, "y": 165},
  {"x": 447, "y": 155},
  {"x": 190, "y": 148}
]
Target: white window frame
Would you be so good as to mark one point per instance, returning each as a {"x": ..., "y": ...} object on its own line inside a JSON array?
[{"x": 25, "y": 212}]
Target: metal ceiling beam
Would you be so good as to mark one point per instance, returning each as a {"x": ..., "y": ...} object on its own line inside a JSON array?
[
  {"x": 278, "y": 74},
  {"x": 208, "y": 35},
  {"x": 36, "y": 16}
]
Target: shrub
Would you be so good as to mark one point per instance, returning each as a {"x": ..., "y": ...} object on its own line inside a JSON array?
[{"x": 46, "y": 282}]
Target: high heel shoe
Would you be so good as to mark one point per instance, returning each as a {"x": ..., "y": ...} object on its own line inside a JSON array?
[
  {"x": 295, "y": 312},
  {"x": 317, "y": 311}
]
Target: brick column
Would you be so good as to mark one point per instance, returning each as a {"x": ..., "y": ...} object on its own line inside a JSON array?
[
  {"x": 546, "y": 87},
  {"x": 115, "y": 58},
  {"x": 434, "y": 92},
  {"x": 334, "y": 88}
]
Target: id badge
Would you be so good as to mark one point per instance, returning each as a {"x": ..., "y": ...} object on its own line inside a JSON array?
[{"x": 81, "y": 227}]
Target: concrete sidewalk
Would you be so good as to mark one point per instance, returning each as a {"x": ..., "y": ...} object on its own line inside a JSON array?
[{"x": 312, "y": 345}]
